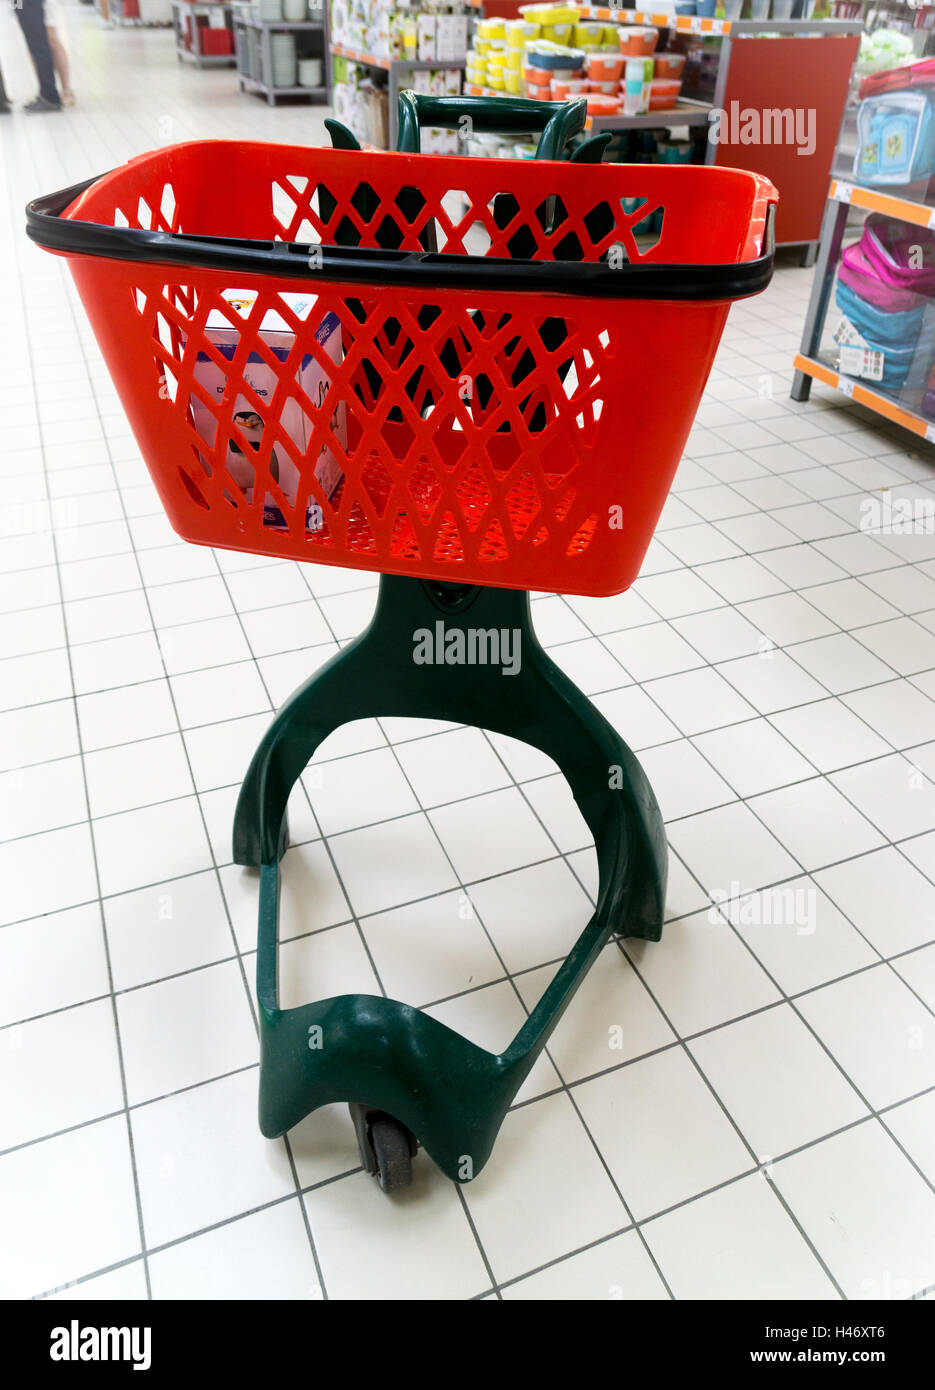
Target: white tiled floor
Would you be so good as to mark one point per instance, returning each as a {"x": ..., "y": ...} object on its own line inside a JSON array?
[{"x": 745, "y": 1109}]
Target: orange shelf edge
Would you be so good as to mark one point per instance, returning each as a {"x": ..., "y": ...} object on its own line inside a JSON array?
[
  {"x": 859, "y": 196},
  {"x": 354, "y": 56},
  {"x": 699, "y": 24},
  {"x": 863, "y": 395}
]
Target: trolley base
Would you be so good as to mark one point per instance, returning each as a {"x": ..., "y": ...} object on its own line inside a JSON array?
[{"x": 379, "y": 1054}]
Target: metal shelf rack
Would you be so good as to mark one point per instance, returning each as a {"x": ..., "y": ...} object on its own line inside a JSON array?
[
  {"x": 810, "y": 364},
  {"x": 181, "y": 8}
]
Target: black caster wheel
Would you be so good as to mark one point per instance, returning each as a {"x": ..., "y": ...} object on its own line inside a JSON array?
[
  {"x": 390, "y": 1142},
  {"x": 386, "y": 1147}
]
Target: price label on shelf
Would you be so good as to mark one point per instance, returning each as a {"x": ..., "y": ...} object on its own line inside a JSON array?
[
  {"x": 930, "y": 433},
  {"x": 932, "y": 218},
  {"x": 862, "y": 362},
  {"x": 843, "y": 192}
]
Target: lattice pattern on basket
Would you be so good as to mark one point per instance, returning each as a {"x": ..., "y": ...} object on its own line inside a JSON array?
[
  {"x": 460, "y": 222},
  {"x": 460, "y": 437}
]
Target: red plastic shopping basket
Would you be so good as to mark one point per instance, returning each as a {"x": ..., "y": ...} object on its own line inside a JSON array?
[{"x": 502, "y": 398}]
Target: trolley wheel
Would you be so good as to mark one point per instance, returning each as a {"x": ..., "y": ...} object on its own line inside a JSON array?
[
  {"x": 386, "y": 1146},
  {"x": 391, "y": 1149}
]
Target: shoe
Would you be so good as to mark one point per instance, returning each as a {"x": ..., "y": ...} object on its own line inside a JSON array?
[
  {"x": 40, "y": 104},
  {"x": 68, "y": 98}
]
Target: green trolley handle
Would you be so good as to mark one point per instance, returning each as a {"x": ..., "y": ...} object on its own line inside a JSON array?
[{"x": 512, "y": 115}]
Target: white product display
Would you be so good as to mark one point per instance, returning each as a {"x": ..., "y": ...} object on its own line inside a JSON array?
[
  {"x": 312, "y": 378},
  {"x": 269, "y": 11},
  {"x": 294, "y": 11},
  {"x": 450, "y": 38},
  {"x": 426, "y": 37},
  {"x": 311, "y": 72},
  {"x": 423, "y": 30},
  {"x": 285, "y": 63}
]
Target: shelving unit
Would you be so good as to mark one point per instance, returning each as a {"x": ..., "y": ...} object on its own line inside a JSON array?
[
  {"x": 152, "y": 14},
  {"x": 683, "y": 114},
  {"x": 787, "y": 73},
  {"x": 397, "y": 69},
  {"x": 181, "y": 8},
  {"x": 245, "y": 23},
  {"x": 810, "y": 365},
  {"x": 720, "y": 28}
]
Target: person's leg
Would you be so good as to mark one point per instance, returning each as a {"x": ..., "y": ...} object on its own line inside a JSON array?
[
  {"x": 62, "y": 65},
  {"x": 31, "y": 16}
]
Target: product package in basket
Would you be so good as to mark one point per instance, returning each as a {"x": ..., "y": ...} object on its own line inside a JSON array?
[{"x": 313, "y": 379}]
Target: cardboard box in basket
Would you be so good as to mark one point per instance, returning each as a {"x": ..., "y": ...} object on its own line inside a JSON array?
[{"x": 314, "y": 380}]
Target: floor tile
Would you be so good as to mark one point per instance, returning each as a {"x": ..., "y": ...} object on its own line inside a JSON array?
[
  {"x": 913, "y": 1127},
  {"x": 652, "y": 650},
  {"x": 839, "y": 663},
  {"x": 149, "y": 845},
  {"x": 52, "y": 962},
  {"x": 200, "y": 1159},
  {"x": 450, "y": 766},
  {"x": 699, "y": 700},
  {"x": 618, "y": 1268},
  {"x": 266, "y": 1255},
  {"x": 771, "y": 680},
  {"x": 158, "y": 1059},
  {"x": 662, "y": 1132},
  {"x": 880, "y": 1249},
  {"x": 829, "y": 734},
  {"x": 730, "y": 851},
  {"x": 166, "y": 929},
  {"x": 490, "y": 835},
  {"x": 371, "y": 1248},
  {"x": 787, "y": 618},
  {"x": 736, "y": 1243},
  {"x": 683, "y": 781},
  {"x": 887, "y": 899},
  {"x": 431, "y": 949},
  {"x": 897, "y": 710},
  {"x": 705, "y": 976},
  {"x": 878, "y": 1031},
  {"x": 892, "y": 793},
  {"x": 532, "y": 915},
  {"x": 816, "y": 823},
  {"x": 637, "y": 718},
  {"x": 385, "y": 866},
  {"x": 753, "y": 757},
  {"x": 119, "y": 716},
  {"x": 756, "y": 1066},
  {"x": 324, "y": 964},
  {"x": 30, "y": 890},
  {"x": 524, "y": 1208},
  {"x": 137, "y": 774},
  {"x": 67, "y": 1208},
  {"x": 611, "y": 1019},
  {"x": 59, "y": 1071}
]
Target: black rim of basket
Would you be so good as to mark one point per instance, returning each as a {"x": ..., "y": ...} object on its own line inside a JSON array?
[{"x": 423, "y": 270}]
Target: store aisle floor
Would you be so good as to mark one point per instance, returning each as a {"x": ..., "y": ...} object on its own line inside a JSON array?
[{"x": 744, "y": 1110}]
